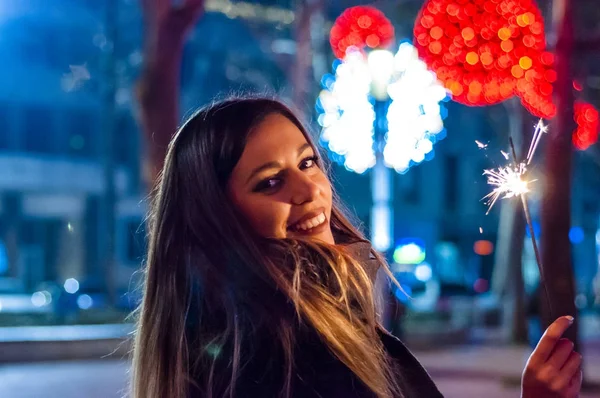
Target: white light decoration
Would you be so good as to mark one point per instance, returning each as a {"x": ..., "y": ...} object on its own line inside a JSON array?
[
  {"x": 423, "y": 272},
  {"x": 415, "y": 115},
  {"x": 347, "y": 114},
  {"x": 415, "y": 118}
]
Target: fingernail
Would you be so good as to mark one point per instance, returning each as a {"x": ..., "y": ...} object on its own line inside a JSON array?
[{"x": 570, "y": 318}]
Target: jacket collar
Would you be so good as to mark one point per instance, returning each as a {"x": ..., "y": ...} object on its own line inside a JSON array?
[{"x": 362, "y": 251}]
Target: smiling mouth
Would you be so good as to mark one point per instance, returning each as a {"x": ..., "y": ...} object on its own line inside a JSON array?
[{"x": 311, "y": 225}]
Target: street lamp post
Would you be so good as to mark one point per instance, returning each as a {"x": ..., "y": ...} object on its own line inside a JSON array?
[
  {"x": 379, "y": 109},
  {"x": 381, "y": 68},
  {"x": 382, "y": 212}
]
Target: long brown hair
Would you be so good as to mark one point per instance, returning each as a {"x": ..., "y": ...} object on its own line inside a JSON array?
[{"x": 211, "y": 281}]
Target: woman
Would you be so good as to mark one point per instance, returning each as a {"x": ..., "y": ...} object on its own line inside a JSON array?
[{"x": 257, "y": 285}]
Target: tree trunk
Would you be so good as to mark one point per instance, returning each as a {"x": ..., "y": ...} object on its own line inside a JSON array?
[
  {"x": 301, "y": 82},
  {"x": 556, "y": 201},
  {"x": 508, "y": 281},
  {"x": 166, "y": 29}
]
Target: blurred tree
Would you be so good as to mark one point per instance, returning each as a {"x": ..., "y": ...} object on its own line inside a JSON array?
[
  {"x": 167, "y": 26},
  {"x": 556, "y": 200},
  {"x": 507, "y": 280},
  {"x": 306, "y": 11}
]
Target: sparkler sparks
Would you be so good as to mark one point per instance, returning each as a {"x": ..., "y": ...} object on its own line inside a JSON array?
[
  {"x": 540, "y": 129},
  {"x": 480, "y": 144},
  {"x": 509, "y": 181}
]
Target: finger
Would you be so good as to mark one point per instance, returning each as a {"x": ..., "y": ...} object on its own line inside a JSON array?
[
  {"x": 568, "y": 377},
  {"x": 564, "y": 379},
  {"x": 572, "y": 366},
  {"x": 575, "y": 384},
  {"x": 561, "y": 353},
  {"x": 549, "y": 340}
]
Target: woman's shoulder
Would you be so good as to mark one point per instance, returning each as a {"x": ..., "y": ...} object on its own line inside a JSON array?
[{"x": 415, "y": 380}]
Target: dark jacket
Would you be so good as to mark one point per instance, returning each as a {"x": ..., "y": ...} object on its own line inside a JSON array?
[{"x": 318, "y": 373}]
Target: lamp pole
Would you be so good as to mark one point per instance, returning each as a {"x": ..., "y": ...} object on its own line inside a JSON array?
[{"x": 382, "y": 213}]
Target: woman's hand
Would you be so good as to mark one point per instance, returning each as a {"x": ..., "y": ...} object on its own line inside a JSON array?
[{"x": 553, "y": 369}]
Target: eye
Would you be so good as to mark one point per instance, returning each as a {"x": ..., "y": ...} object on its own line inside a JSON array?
[
  {"x": 309, "y": 162},
  {"x": 269, "y": 184}
]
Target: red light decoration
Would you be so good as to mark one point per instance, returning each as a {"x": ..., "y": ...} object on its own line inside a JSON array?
[
  {"x": 483, "y": 247},
  {"x": 498, "y": 44},
  {"x": 361, "y": 27},
  {"x": 587, "y": 119}
]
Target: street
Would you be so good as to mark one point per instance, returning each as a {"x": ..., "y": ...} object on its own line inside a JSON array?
[
  {"x": 107, "y": 379},
  {"x": 475, "y": 371}
]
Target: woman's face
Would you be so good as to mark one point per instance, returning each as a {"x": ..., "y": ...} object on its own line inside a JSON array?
[{"x": 278, "y": 186}]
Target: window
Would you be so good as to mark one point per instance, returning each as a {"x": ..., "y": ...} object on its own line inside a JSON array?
[{"x": 39, "y": 132}]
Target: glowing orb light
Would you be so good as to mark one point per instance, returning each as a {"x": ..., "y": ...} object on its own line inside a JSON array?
[
  {"x": 360, "y": 27},
  {"x": 487, "y": 51},
  {"x": 587, "y": 120}
]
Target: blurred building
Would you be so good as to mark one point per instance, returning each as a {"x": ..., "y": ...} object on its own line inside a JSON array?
[
  {"x": 53, "y": 131},
  {"x": 55, "y": 91},
  {"x": 51, "y": 146}
]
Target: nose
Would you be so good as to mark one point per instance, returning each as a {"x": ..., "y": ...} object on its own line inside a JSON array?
[{"x": 303, "y": 189}]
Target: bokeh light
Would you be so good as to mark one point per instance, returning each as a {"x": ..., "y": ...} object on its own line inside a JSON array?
[
  {"x": 415, "y": 114},
  {"x": 360, "y": 27},
  {"x": 423, "y": 272},
  {"x": 347, "y": 115},
  {"x": 71, "y": 285},
  {"x": 587, "y": 118},
  {"x": 84, "y": 301},
  {"x": 499, "y": 45}
]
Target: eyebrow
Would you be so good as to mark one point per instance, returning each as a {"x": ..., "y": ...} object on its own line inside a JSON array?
[{"x": 274, "y": 165}]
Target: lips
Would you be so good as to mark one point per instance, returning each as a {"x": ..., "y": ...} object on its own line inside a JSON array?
[{"x": 309, "y": 220}]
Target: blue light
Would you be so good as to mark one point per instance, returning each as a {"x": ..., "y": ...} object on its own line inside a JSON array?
[
  {"x": 430, "y": 155},
  {"x": 3, "y": 259},
  {"x": 84, "y": 302},
  {"x": 402, "y": 295},
  {"x": 336, "y": 62},
  {"x": 327, "y": 81},
  {"x": 536, "y": 229},
  {"x": 576, "y": 235},
  {"x": 319, "y": 107}
]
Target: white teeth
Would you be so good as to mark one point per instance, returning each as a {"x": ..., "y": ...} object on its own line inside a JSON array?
[{"x": 311, "y": 223}]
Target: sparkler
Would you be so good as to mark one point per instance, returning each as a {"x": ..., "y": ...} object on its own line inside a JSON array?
[{"x": 510, "y": 182}]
